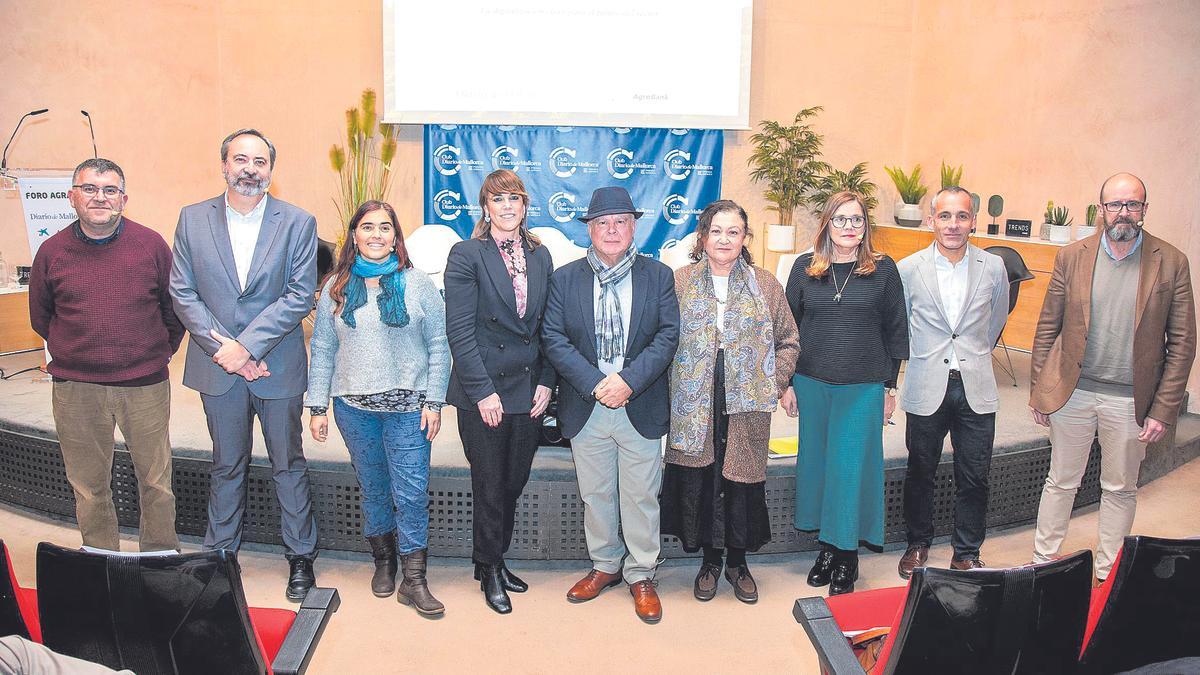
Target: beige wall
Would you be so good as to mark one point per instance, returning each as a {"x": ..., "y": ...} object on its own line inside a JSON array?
[{"x": 1037, "y": 102}]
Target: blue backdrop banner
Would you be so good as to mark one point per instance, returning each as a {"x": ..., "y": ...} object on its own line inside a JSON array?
[{"x": 671, "y": 174}]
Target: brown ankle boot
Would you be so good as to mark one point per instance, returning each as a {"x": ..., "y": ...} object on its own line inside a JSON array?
[
  {"x": 383, "y": 549},
  {"x": 414, "y": 590}
]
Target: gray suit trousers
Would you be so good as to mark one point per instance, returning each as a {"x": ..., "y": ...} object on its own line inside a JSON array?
[{"x": 230, "y": 423}]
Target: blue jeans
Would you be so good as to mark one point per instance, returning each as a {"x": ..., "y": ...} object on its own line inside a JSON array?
[{"x": 391, "y": 459}]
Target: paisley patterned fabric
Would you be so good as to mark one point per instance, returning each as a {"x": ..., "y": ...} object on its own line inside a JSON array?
[
  {"x": 513, "y": 255},
  {"x": 749, "y": 345}
]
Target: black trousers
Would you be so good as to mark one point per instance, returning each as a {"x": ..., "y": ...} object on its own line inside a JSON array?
[
  {"x": 971, "y": 435},
  {"x": 500, "y": 458}
]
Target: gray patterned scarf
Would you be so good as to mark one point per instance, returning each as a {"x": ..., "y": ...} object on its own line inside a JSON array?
[{"x": 610, "y": 331}]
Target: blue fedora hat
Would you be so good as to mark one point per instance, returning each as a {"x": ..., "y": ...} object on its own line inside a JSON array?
[{"x": 609, "y": 200}]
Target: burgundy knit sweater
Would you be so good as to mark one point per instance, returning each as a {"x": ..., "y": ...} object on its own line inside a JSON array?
[{"x": 104, "y": 309}]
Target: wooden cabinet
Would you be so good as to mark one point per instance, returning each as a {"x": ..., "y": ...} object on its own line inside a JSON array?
[
  {"x": 900, "y": 242},
  {"x": 15, "y": 333}
]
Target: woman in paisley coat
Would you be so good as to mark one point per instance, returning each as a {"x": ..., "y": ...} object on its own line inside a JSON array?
[{"x": 738, "y": 346}]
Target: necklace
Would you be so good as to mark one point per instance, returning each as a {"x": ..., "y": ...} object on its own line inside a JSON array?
[{"x": 837, "y": 297}]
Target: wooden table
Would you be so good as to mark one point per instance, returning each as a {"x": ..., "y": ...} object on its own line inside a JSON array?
[
  {"x": 899, "y": 242},
  {"x": 15, "y": 333}
]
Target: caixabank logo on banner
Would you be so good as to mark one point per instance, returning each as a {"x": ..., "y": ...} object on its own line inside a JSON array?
[{"x": 671, "y": 174}]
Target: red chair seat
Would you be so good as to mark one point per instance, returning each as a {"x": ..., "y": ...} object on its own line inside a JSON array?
[
  {"x": 271, "y": 626},
  {"x": 868, "y": 609},
  {"x": 27, "y": 601}
]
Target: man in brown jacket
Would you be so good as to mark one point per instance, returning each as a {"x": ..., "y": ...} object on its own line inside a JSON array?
[{"x": 1113, "y": 349}]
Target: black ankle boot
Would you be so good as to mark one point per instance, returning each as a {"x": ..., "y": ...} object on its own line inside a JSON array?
[
  {"x": 822, "y": 567},
  {"x": 844, "y": 574},
  {"x": 383, "y": 550},
  {"x": 512, "y": 582},
  {"x": 493, "y": 588}
]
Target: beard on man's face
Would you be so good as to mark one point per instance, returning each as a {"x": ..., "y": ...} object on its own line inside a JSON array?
[
  {"x": 247, "y": 185},
  {"x": 1124, "y": 228}
]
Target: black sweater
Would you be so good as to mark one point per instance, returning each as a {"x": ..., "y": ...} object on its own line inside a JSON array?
[{"x": 861, "y": 339}]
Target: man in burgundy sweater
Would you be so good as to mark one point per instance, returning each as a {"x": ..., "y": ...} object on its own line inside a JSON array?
[{"x": 98, "y": 294}]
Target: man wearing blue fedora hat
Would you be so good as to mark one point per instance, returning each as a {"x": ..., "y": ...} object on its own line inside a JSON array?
[{"x": 611, "y": 328}]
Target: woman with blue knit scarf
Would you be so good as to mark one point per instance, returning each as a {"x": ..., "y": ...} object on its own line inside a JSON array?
[{"x": 379, "y": 349}]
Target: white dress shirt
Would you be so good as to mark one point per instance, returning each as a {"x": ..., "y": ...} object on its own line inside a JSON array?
[
  {"x": 243, "y": 235},
  {"x": 952, "y": 283}
]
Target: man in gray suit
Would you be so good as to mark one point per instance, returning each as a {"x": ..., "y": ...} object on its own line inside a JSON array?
[
  {"x": 243, "y": 280},
  {"x": 957, "y": 300}
]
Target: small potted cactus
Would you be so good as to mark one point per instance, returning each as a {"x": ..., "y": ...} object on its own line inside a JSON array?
[
  {"x": 1059, "y": 218},
  {"x": 1085, "y": 231}
]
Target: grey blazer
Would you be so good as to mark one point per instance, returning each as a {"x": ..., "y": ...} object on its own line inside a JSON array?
[
  {"x": 265, "y": 317},
  {"x": 930, "y": 334}
]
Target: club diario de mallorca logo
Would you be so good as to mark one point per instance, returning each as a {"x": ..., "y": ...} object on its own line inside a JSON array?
[
  {"x": 678, "y": 165},
  {"x": 563, "y": 207},
  {"x": 563, "y": 162},
  {"x": 448, "y": 204},
  {"x": 675, "y": 209},
  {"x": 508, "y": 157},
  {"x": 621, "y": 164},
  {"x": 448, "y": 161}
]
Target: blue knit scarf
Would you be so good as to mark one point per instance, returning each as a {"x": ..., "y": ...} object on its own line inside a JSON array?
[{"x": 392, "y": 310}]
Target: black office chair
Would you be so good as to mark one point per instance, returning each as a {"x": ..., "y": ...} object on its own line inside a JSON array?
[
  {"x": 1148, "y": 610},
  {"x": 1017, "y": 620},
  {"x": 326, "y": 259},
  {"x": 1018, "y": 273},
  {"x": 176, "y": 614}
]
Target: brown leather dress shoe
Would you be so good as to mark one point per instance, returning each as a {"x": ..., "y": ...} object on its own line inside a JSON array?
[
  {"x": 590, "y": 586},
  {"x": 645, "y": 601},
  {"x": 914, "y": 557},
  {"x": 744, "y": 588},
  {"x": 967, "y": 564},
  {"x": 705, "y": 588}
]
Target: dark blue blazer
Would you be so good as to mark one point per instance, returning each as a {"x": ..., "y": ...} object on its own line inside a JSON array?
[
  {"x": 494, "y": 350},
  {"x": 569, "y": 340}
]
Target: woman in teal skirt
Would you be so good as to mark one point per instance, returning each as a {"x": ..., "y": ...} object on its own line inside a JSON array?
[{"x": 848, "y": 302}]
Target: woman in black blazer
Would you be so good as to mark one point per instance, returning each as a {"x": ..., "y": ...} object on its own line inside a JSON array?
[{"x": 496, "y": 287}]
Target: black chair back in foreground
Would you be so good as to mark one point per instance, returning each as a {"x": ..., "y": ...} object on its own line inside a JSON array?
[
  {"x": 1014, "y": 620},
  {"x": 1149, "y": 610},
  {"x": 12, "y": 621},
  {"x": 181, "y": 614}
]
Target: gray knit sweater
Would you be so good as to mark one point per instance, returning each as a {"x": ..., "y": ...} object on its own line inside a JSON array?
[{"x": 375, "y": 357}]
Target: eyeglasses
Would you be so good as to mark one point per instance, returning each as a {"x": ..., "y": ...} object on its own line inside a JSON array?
[
  {"x": 961, "y": 217},
  {"x": 90, "y": 190},
  {"x": 1115, "y": 207},
  {"x": 842, "y": 222}
]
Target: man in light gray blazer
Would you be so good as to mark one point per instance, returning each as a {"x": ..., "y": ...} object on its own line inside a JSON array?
[
  {"x": 957, "y": 300},
  {"x": 243, "y": 279}
]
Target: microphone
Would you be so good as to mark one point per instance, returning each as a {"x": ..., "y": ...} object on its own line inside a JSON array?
[
  {"x": 93, "y": 131},
  {"x": 4, "y": 159}
]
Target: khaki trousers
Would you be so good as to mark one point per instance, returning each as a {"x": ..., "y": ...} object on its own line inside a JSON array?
[
  {"x": 1121, "y": 453},
  {"x": 619, "y": 473},
  {"x": 85, "y": 415}
]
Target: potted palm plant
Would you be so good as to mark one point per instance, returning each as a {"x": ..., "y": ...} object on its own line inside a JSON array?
[
  {"x": 834, "y": 181},
  {"x": 1059, "y": 218},
  {"x": 787, "y": 158},
  {"x": 911, "y": 191}
]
